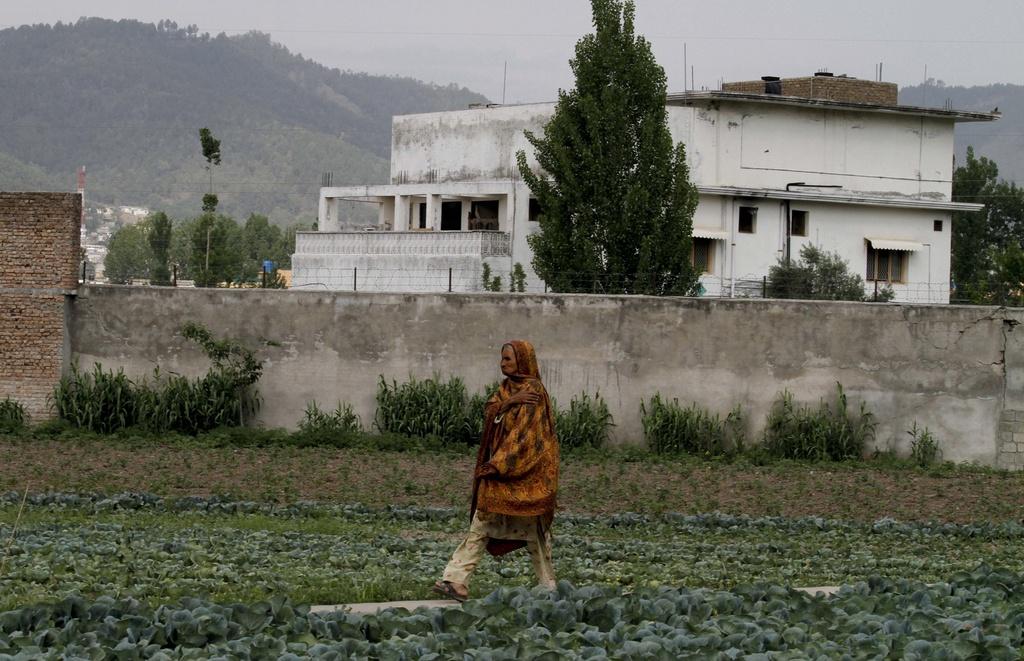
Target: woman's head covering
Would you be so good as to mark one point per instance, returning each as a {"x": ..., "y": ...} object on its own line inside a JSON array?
[{"x": 526, "y": 360}]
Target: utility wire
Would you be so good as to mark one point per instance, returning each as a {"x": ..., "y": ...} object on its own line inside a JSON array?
[{"x": 578, "y": 35}]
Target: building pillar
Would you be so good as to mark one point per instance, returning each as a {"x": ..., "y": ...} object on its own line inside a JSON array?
[
  {"x": 327, "y": 217},
  {"x": 401, "y": 213},
  {"x": 433, "y": 212},
  {"x": 504, "y": 213},
  {"x": 467, "y": 206},
  {"x": 385, "y": 213}
]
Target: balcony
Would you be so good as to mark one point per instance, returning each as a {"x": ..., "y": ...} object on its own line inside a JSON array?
[
  {"x": 477, "y": 243},
  {"x": 398, "y": 261}
]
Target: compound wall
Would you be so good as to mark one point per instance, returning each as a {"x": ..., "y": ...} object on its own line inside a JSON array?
[{"x": 954, "y": 369}]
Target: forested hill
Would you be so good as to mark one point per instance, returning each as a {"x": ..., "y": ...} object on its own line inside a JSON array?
[
  {"x": 126, "y": 99},
  {"x": 1001, "y": 140}
]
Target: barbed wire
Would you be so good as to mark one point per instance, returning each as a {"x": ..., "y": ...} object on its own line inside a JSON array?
[
  {"x": 432, "y": 278},
  {"x": 468, "y": 279}
]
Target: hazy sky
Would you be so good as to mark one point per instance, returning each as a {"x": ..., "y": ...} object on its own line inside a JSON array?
[{"x": 470, "y": 42}]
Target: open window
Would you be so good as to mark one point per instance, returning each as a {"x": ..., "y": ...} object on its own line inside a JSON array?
[
  {"x": 484, "y": 215},
  {"x": 798, "y": 223},
  {"x": 748, "y": 220},
  {"x": 535, "y": 210},
  {"x": 451, "y": 216}
]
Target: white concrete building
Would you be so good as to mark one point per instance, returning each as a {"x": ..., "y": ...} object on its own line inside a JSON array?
[{"x": 869, "y": 180}]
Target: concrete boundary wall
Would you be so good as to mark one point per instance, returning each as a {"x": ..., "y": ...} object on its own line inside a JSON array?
[{"x": 955, "y": 369}]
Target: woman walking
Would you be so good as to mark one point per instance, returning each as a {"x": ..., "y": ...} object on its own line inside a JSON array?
[{"x": 516, "y": 476}]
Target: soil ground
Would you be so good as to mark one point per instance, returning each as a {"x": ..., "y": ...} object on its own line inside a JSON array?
[{"x": 591, "y": 484}]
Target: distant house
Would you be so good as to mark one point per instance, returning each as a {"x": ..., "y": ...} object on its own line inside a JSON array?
[{"x": 828, "y": 160}]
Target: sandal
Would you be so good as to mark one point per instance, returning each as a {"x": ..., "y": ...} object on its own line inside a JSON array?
[{"x": 447, "y": 589}]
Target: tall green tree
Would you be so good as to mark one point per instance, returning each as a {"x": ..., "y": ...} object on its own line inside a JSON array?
[
  {"x": 1006, "y": 281},
  {"x": 181, "y": 247},
  {"x": 261, "y": 241},
  {"x": 216, "y": 257},
  {"x": 985, "y": 242},
  {"x": 128, "y": 255},
  {"x": 615, "y": 195},
  {"x": 972, "y": 237},
  {"x": 211, "y": 152},
  {"x": 159, "y": 237}
]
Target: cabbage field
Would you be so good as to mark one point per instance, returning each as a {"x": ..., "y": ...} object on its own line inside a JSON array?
[
  {"x": 973, "y": 615},
  {"x": 139, "y": 576}
]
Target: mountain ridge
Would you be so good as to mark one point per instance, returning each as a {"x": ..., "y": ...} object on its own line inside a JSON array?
[{"x": 126, "y": 99}]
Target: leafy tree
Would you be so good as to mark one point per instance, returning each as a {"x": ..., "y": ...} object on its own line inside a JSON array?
[
  {"x": 159, "y": 237},
  {"x": 236, "y": 253},
  {"x": 211, "y": 152},
  {"x": 262, "y": 241},
  {"x": 215, "y": 257},
  {"x": 1005, "y": 207},
  {"x": 128, "y": 255},
  {"x": 617, "y": 203},
  {"x": 971, "y": 235},
  {"x": 181, "y": 247},
  {"x": 819, "y": 275},
  {"x": 985, "y": 242},
  {"x": 289, "y": 241},
  {"x": 1006, "y": 283}
]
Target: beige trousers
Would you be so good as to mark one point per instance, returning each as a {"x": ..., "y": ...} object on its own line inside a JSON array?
[{"x": 468, "y": 554}]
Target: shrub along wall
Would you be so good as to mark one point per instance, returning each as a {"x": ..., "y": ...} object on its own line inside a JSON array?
[{"x": 954, "y": 369}]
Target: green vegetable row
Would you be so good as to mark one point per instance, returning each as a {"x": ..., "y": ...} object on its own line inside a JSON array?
[
  {"x": 971, "y": 615},
  {"x": 163, "y": 550}
]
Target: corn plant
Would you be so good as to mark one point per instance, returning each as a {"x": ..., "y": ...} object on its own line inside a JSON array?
[
  {"x": 342, "y": 420},
  {"x": 192, "y": 406},
  {"x": 12, "y": 416},
  {"x": 473, "y": 425},
  {"x": 105, "y": 402},
  {"x": 585, "y": 424},
  {"x": 427, "y": 408},
  {"x": 829, "y": 433},
  {"x": 671, "y": 429},
  {"x": 99, "y": 401},
  {"x": 924, "y": 447}
]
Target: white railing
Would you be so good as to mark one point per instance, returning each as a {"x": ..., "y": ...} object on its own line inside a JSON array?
[{"x": 482, "y": 243}]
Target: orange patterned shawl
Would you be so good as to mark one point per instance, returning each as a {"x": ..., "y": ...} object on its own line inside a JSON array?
[{"x": 518, "y": 456}]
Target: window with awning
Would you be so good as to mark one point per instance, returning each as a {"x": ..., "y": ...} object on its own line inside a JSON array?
[
  {"x": 713, "y": 234},
  {"x": 888, "y": 259},
  {"x": 702, "y": 255},
  {"x": 894, "y": 244}
]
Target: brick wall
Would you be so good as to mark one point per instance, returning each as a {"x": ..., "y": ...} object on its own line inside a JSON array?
[
  {"x": 832, "y": 88},
  {"x": 39, "y": 246}
]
